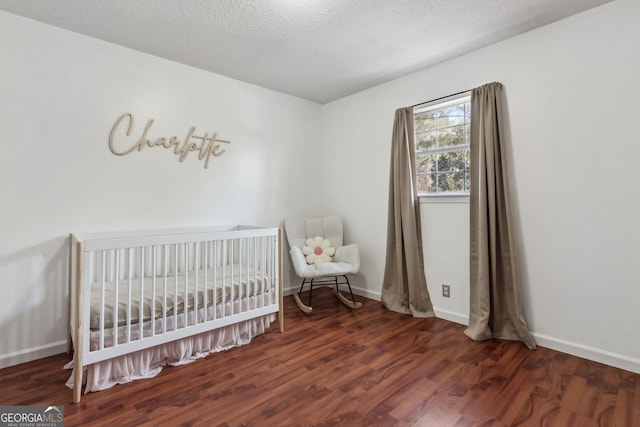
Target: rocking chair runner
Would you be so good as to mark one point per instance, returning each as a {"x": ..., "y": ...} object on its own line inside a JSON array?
[{"x": 346, "y": 260}]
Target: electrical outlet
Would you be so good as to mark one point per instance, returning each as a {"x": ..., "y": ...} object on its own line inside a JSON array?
[{"x": 446, "y": 291}]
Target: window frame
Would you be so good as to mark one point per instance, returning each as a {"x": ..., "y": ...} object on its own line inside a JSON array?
[{"x": 437, "y": 104}]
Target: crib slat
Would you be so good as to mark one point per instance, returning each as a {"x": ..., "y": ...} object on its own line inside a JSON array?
[
  {"x": 186, "y": 284},
  {"x": 196, "y": 270},
  {"x": 102, "y": 289},
  {"x": 116, "y": 296},
  {"x": 265, "y": 263},
  {"x": 206, "y": 281},
  {"x": 243, "y": 279},
  {"x": 215, "y": 279},
  {"x": 270, "y": 254},
  {"x": 242, "y": 247},
  {"x": 253, "y": 256},
  {"x": 152, "y": 304},
  {"x": 129, "y": 287},
  {"x": 175, "y": 286},
  {"x": 141, "y": 295},
  {"x": 251, "y": 271},
  {"x": 223, "y": 278},
  {"x": 232, "y": 297},
  {"x": 256, "y": 245},
  {"x": 165, "y": 257}
]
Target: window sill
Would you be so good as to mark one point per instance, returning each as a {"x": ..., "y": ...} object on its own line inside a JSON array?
[{"x": 443, "y": 198}]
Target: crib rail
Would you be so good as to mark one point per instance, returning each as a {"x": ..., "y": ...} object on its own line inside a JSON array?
[{"x": 132, "y": 291}]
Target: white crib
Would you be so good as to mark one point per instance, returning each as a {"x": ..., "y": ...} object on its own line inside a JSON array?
[{"x": 168, "y": 297}]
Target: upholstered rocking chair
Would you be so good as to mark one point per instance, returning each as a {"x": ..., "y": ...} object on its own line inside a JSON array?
[{"x": 320, "y": 258}]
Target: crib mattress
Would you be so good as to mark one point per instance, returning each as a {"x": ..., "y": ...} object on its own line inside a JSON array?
[{"x": 171, "y": 293}]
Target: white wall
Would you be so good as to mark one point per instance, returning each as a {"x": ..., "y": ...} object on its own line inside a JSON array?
[
  {"x": 60, "y": 94},
  {"x": 572, "y": 91},
  {"x": 445, "y": 232}
]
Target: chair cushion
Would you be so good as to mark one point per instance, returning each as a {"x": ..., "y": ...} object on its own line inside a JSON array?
[{"x": 328, "y": 269}]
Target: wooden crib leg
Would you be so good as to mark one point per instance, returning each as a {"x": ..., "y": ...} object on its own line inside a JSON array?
[
  {"x": 280, "y": 283},
  {"x": 77, "y": 356},
  {"x": 77, "y": 382},
  {"x": 69, "y": 290}
]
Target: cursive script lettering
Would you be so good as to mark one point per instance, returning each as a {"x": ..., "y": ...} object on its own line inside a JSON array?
[{"x": 207, "y": 145}]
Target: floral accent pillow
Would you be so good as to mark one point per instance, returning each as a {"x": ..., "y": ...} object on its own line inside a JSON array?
[{"x": 318, "y": 250}]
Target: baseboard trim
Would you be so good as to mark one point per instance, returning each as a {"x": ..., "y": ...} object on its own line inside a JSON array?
[
  {"x": 33, "y": 353},
  {"x": 451, "y": 316},
  {"x": 590, "y": 353},
  {"x": 367, "y": 293}
]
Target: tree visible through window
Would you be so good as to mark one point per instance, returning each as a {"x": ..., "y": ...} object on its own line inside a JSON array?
[{"x": 442, "y": 147}]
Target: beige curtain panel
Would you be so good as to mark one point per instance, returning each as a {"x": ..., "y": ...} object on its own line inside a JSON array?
[
  {"x": 404, "y": 287},
  {"x": 496, "y": 298}
]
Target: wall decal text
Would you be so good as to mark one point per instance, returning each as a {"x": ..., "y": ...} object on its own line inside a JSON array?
[{"x": 206, "y": 145}]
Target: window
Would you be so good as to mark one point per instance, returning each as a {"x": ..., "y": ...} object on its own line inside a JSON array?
[{"x": 442, "y": 146}]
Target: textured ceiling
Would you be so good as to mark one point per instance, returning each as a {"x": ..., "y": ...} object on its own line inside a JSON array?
[{"x": 320, "y": 50}]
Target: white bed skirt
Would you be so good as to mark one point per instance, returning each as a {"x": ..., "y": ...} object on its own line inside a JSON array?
[{"x": 149, "y": 362}]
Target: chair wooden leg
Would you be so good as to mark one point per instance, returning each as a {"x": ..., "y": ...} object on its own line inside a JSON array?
[
  {"x": 345, "y": 300},
  {"x": 300, "y": 304}
]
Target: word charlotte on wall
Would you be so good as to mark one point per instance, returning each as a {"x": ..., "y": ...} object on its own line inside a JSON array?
[{"x": 207, "y": 145}]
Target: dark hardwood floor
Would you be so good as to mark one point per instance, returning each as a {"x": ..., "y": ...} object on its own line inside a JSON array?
[{"x": 343, "y": 367}]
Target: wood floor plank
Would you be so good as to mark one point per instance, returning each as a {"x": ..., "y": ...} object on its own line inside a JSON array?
[{"x": 344, "y": 367}]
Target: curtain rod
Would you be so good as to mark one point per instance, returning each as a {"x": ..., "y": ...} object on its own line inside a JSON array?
[{"x": 442, "y": 97}]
